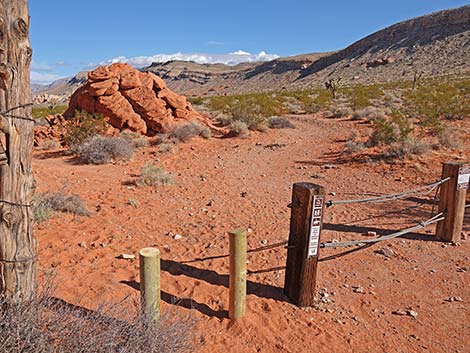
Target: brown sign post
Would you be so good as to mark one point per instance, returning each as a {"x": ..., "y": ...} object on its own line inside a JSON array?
[
  {"x": 308, "y": 201},
  {"x": 452, "y": 200}
]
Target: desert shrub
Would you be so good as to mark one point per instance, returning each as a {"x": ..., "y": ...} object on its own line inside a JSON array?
[
  {"x": 82, "y": 127},
  {"x": 151, "y": 175},
  {"x": 407, "y": 148},
  {"x": 391, "y": 130},
  {"x": 370, "y": 113},
  {"x": 40, "y": 112},
  {"x": 239, "y": 128},
  {"x": 166, "y": 147},
  {"x": 280, "y": 122},
  {"x": 46, "y": 324},
  {"x": 360, "y": 96},
  {"x": 352, "y": 145},
  {"x": 187, "y": 131},
  {"x": 433, "y": 101},
  {"x": 45, "y": 204},
  {"x": 342, "y": 112},
  {"x": 135, "y": 138},
  {"x": 133, "y": 202},
  {"x": 449, "y": 138},
  {"x": 101, "y": 150},
  {"x": 196, "y": 100},
  {"x": 49, "y": 145}
]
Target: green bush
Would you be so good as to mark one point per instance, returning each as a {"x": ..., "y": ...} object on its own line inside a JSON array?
[
  {"x": 82, "y": 127},
  {"x": 40, "y": 112},
  {"x": 387, "y": 131}
]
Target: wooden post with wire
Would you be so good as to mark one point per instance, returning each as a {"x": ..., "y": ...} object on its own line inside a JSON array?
[
  {"x": 452, "y": 200},
  {"x": 18, "y": 247},
  {"x": 150, "y": 282},
  {"x": 307, "y": 206},
  {"x": 237, "y": 286}
]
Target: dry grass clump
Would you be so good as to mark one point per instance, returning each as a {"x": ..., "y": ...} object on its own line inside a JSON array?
[
  {"x": 239, "y": 128},
  {"x": 102, "y": 150},
  {"x": 280, "y": 122},
  {"x": 386, "y": 131},
  {"x": 187, "y": 131},
  {"x": 49, "y": 145},
  {"x": 135, "y": 138},
  {"x": 407, "y": 148},
  {"x": 82, "y": 127},
  {"x": 151, "y": 175},
  {"x": 352, "y": 145},
  {"x": 166, "y": 147},
  {"x": 45, "y": 324},
  {"x": 450, "y": 138},
  {"x": 45, "y": 204},
  {"x": 342, "y": 112},
  {"x": 370, "y": 113}
]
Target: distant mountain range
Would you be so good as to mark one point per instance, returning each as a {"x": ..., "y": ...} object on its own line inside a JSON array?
[{"x": 435, "y": 44}]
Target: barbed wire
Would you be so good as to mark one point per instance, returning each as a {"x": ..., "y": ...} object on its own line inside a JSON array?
[
  {"x": 10, "y": 203},
  {"x": 389, "y": 197},
  {"x": 437, "y": 218},
  {"x": 6, "y": 114}
]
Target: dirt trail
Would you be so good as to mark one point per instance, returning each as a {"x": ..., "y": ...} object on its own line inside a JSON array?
[{"x": 222, "y": 184}]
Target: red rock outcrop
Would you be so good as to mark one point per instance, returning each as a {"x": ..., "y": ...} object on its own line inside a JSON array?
[{"x": 130, "y": 99}]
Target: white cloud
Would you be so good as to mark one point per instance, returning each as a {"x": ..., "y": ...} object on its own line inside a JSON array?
[
  {"x": 233, "y": 58},
  {"x": 43, "y": 77}
]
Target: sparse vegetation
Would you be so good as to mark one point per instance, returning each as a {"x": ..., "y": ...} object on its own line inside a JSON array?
[
  {"x": 450, "y": 138},
  {"x": 133, "y": 202},
  {"x": 135, "y": 138},
  {"x": 386, "y": 131},
  {"x": 165, "y": 147},
  {"x": 187, "y": 131},
  {"x": 407, "y": 148},
  {"x": 40, "y": 112},
  {"x": 82, "y": 127},
  {"x": 151, "y": 175},
  {"x": 342, "y": 112},
  {"x": 49, "y": 145},
  {"x": 280, "y": 122},
  {"x": 45, "y": 324},
  {"x": 102, "y": 150},
  {"x": 352, "y": 145},
  {"x": 239, "y": 128},
  {"x": 46, "y": 204}
]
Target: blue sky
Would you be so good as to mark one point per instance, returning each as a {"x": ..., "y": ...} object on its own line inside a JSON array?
[{"x": 71, "y": 36}]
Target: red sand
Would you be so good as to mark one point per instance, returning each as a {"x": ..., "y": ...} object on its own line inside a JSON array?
[{"x": 223, "y": 184}]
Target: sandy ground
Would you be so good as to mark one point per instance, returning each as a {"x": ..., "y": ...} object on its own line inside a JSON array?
[{"x": 221, "y": 184}]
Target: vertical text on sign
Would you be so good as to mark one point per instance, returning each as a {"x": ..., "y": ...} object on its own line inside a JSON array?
[
  {"x": 463, "y": 178},
  {"x": 315, "y": 225}
]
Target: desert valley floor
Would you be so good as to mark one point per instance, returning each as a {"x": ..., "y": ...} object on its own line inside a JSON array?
[{"x": 225, "y": 183}]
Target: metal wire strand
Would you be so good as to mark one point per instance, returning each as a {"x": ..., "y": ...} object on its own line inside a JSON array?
[
  {"x": 437, "y": 218},
  {"x": 6, "y": 114},
  {"x": 390, "y": 197}
]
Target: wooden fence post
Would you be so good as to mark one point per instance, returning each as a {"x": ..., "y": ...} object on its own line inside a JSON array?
[
  {"x": 307, "y": 206},
  {"x": 237, "y": 287},
  {"x": 452, "y": 200},
  {"x": 18, "y": 247},
  {"x": 150, "y": 282}
]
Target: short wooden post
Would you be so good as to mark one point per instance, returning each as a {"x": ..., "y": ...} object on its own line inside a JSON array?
[
  {"x": 150, "y": 282},
  {"x": 452, "y": 200},
  {"x": 304, "y": 241},
  {"x": 237, "y": 287}
]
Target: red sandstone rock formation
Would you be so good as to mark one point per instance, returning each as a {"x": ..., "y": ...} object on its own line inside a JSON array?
[{"x": 130, "y": 99}]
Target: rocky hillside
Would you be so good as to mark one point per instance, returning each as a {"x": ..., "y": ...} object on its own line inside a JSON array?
[{"x": 435, "y": 44}]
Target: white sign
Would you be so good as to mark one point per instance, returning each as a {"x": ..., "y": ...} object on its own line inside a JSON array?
[
  {"x": 315, "y": 226},
  {"x": 463, "y": 179}
]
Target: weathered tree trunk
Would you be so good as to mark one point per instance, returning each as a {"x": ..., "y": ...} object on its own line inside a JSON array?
[{"x": 18, "y": 248}]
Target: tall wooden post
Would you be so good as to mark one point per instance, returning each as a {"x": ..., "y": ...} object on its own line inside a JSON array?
[
  {"x": 18, "y": 248},
  {"x": 452, "y": 200},
  {"x": 150, "y": 282},
  {"x": 304, "y": 241},
  {"x": 237, "y": 285}
]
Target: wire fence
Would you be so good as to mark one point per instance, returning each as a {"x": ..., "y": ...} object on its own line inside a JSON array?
[
  {"x": 428, "y": 188},
  {"x": 7, "y": 113}
]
